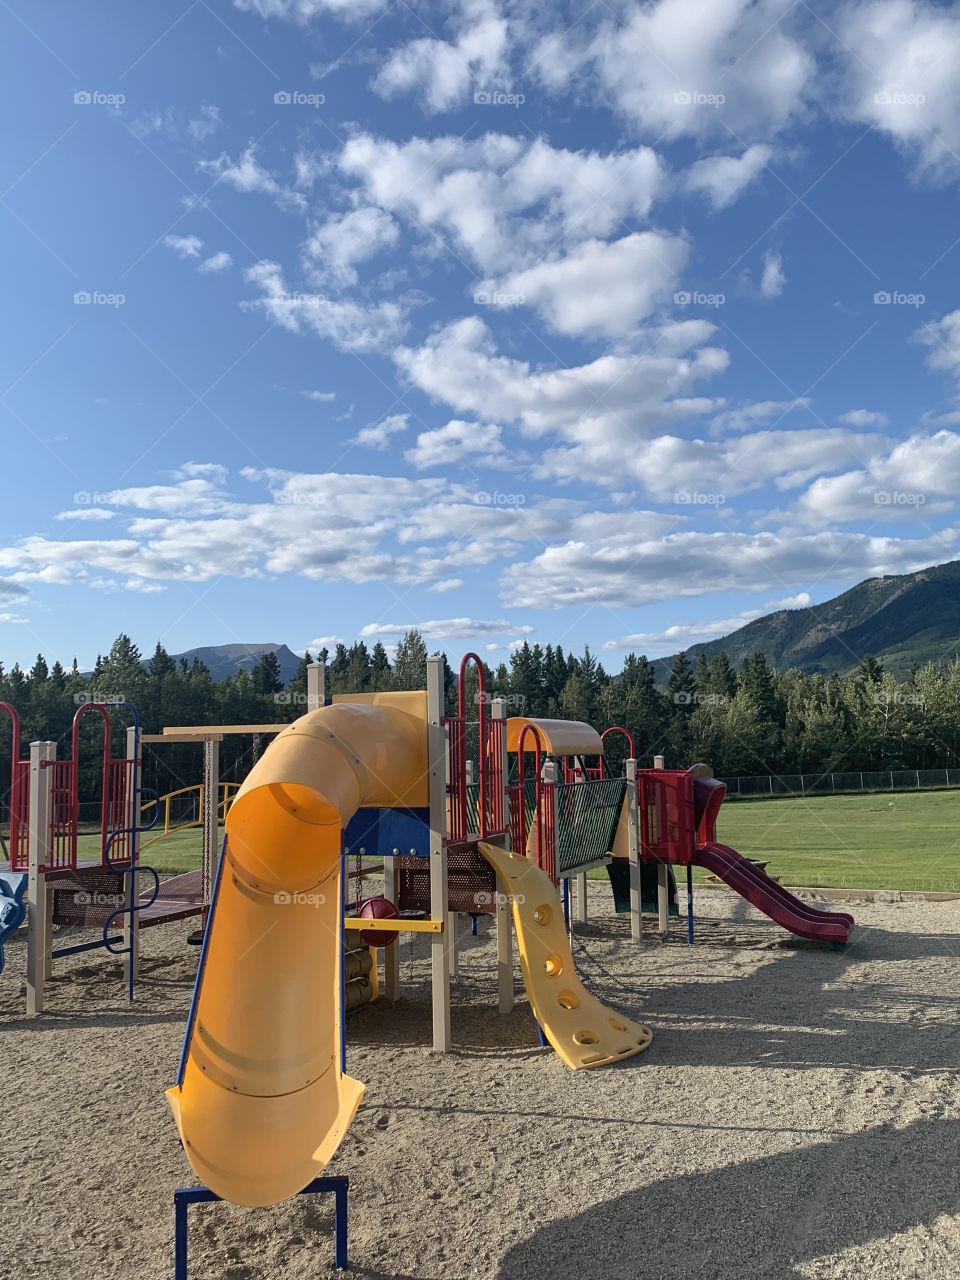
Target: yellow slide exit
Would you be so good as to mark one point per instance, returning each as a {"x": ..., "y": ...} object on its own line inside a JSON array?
[
  {"x": 583, "y": 1030},
  {"x": 262, "y": 1105}
]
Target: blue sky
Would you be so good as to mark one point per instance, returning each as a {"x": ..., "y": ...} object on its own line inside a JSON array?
[{"x": 614, "y": 324}]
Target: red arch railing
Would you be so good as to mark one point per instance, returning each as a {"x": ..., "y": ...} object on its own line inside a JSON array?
[
  {"x": 543, "y": 806},
  {"x": 19, "y": 797},
  {"x": 489, "y": 780},
  {"x": 616, "y": 728}
]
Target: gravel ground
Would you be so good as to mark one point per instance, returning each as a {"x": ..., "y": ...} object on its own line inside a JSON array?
[{"x": 797, "y": 1115}]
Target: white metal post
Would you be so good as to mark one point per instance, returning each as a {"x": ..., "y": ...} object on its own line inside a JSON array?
[
  {"x": 39, "y": 930},
  {"x": 663, "y": 881},
  {"x": 316, "y": 686},
  {"x": 504, "y": 914},
  {"x": 131, "y": 820},
  {"x": 439, "y": 890},
  {"x": 211, "y": 816},
  {"x": 633, "y": 830}
]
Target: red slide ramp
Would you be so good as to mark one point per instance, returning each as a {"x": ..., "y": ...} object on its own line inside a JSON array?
[{"x": 771, "y": 898}]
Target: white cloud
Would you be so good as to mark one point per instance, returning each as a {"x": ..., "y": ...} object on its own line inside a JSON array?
[
  {"x": 304, "y": 11},
  {"x": 377, "y": 434},
  {"x": 504, "y": 200},
  {"x": 601, "y": 288},
  {"x": 216, "y": 262},
  {"x": 446, "y": 584},
  {"x": 13, "y": 618},
  {"x": 943, "y": 339},
  {"x": 684, "y": 634},
  {"x": 320, "y": 397},
  {"x": 678, "y": 67},
  {"x": 446, "y": 628},
  {"x": 603, "y": 409},
  {"x": 334, "y": 248},
  {"x": 90, "y": 514},
  {"x": 773, "y": 280},
  {"x": 206, "y": 124},
  {"x": 748, "y": 416},
  {"x": 903, "y": 76},
  {"x": 722, "y": 179},
  {"x": 184, "y": 246},
  {"x": 247, "y": 176},
  {"x": 864, "y": 418},
  {"x": 625, "y": 570},
  {"x": 458, "y": 441},
  {"x": 442, "y": 72},
  {"x": 350, "y": 325}
]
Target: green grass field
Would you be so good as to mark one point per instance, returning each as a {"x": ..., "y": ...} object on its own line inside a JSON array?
[{"x": 904, "y": 840}]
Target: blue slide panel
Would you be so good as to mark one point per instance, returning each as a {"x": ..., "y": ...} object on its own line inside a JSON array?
[{"x": 380, "y": 831}]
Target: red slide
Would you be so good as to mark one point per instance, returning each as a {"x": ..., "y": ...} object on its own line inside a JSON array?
[{"x": 771, "y": 898}]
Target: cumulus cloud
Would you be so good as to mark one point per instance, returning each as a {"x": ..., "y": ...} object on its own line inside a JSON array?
[
  {"x": 184, "y": 246},
  {"x": 89, "y": 514},
  {"x": 320, "y": 397},
  {"x": 942, "y": 337},
  {"x": 601, "y": 288},
  {"x": 902, "y": 76},
  {"x": 304, "y": 11},
  {"x": 479, "y": 443},
  {"x": 446, "y": 628},
  {"x": 684, "y": 634},
  {"x": 334, "y": 248},
  {"x": 773, "y": 279},
  {"x": 377, "y": 434},
  {"x": 440, "y": 73},
  {"x": 723, "y": 179},
  {"x": 216, "y": 262},
  {"x": 206, "y": 124},
  {"x": 247, "y": 175},
  {"x": 864, "y": 418},
  {"x": 348, "y": 324},
  {"x": 677, "y": 67}
]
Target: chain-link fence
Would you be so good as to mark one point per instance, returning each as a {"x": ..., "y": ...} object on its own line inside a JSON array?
[{"x": 805, "y": 784}]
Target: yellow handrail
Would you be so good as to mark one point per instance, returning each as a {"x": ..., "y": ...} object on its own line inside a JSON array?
[{"x": 226, "y": 792}]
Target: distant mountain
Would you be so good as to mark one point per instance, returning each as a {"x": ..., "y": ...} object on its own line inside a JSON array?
[
  {"x": 905, "y": 619},
  {"x": 227, "y": 659}
]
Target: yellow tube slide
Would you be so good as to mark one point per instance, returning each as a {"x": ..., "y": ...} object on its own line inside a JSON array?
[{"x": 262, "y": 1105}]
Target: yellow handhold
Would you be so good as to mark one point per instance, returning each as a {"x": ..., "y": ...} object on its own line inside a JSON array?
[{"x": 584, "y": 1032}]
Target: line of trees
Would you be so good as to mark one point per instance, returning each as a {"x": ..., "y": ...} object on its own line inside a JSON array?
[{"x": 747, "y": 722}]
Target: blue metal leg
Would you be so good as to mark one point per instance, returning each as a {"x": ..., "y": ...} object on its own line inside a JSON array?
[
  {"x": 690, "y": 904},
  {"x": 183, "y": 1197},
  {"x": 473, "y": 925}
]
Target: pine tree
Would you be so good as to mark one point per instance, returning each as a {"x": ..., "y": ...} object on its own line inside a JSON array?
[
  {"x": 381, "y": 675},
  {"x": 410, "y": 662},
  {"x": 266, "y": 677},
  {"x": 161, "y": 664},
  {"x": 682, "y": 684}
]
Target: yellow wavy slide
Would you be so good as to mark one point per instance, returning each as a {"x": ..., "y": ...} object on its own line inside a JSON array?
[
  {"x": 262, "y": 1105},
  {"x": 583, "y": 1030}
]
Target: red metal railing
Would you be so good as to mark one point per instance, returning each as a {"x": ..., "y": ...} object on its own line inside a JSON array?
[
  {"x": 544, "y": 807},
  {"x": 489, "y": 818},
  {"x": 667, "y": 822},
  {"x": 64, "y": 811},
  {"x": 19, "y": 798}
]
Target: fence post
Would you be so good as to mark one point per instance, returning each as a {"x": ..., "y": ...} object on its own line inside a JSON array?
[
  {"x": 316, "y": 685},
  {"x": 833, "y": 782},
  {"x": 439, "y": 890},
  {"x": 504, "y": 913},
  {"x": 663, "y": 882},
  {"x": 633, "y": 819},
  {"x": 39, "y": 933}
]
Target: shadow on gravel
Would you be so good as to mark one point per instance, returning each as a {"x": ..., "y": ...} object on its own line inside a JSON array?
[{"x": 762, "y": 1219}]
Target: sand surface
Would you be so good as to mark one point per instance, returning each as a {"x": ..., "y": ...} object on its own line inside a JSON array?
[{"x": 798, "y": 1115}]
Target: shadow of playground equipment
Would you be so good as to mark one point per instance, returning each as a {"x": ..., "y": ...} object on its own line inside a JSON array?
[{"x": 763, "y": 1219}]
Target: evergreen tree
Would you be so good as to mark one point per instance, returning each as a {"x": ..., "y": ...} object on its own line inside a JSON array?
[
  {"x": 381, "y": 675},
  {"x": 682, "y": 684},
  {"x": 265, "y": 677},
  {"x": 410, "y": 662},
  {"x": 161, "y": 664}
]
